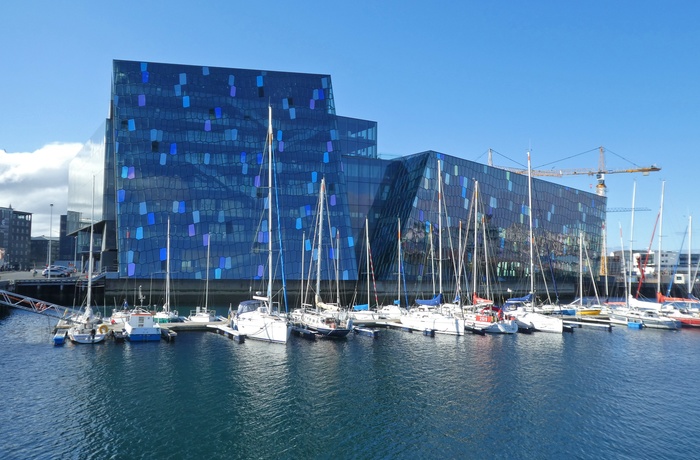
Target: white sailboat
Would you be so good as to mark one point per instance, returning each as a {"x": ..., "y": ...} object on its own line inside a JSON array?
[
  {"x": 578, "y": 306},
  {"x": 325, "y": 318},
  {"x": 204, "y": 314},
  {"x": 427, "y": 315},
  {"x": 166, "y": 315},
  {"x": 483, "y": 316},
  {"x": 257, "y": 318},
  {"x": 524, "y": 312},
  {"x": 86, "y": 329},
  {"x": 393, "y": 313},
  {"x": 363, "y": 314}
]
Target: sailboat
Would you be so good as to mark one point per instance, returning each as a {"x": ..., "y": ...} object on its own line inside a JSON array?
[
  {"x": 204, "y": 314},
  {"x": 166, "y": 315},
  {"x": 427, "y": 316},
  {"x": 257, "y": 318},
  {"x": 362, "y": 314},
  {"x": 325, "y": 318},
  {"x": 85, "y": 329},
  {"x": 392, "y": 313},
  {"x": 524, "y": 311},
  {"x": 579, "y": 308},
  {"x": 483, "y": 316}
]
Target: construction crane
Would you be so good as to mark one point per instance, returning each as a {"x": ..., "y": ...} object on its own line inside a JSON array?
[{"x": 600, "y": 173}]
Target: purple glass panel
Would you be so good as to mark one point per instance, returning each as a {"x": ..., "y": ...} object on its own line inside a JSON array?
[
  {"x": 207, "y": 125},
  {"x": 132, "y": 173},
  {"x": 190, "y": 229},
  {"x": 142, "y": 100},
  {"x": 329, "y": 146},
  {"x": 280, "y": 146},
  {"x": 233, "y": 91},
  {"x": 131, "y": 270},
  {"x": 312, "y": 104}
]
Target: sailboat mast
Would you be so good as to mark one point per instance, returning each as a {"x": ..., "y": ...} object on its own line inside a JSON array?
[
  {"x": 269, "y": 204},
  {"x": 439, "y": 226},
  {"x": 320, "y": 241},
  {"x": 580, "y": 264},
  {"x": 399, "y": 261},
  {"x": 486, "y": 260},
  {"x": 476, "y": 239},
  {"x": 166, "y": 307},
  {"x": 605, "y": 259},
  {"x": 661, "y": 228},
  {"x": 301, "y": 287},
  {"x": 690, "y": 253},
  {"x": 88, "y": 300},
  {"x": 529, "y": 204},
  {"x": 206, "y": 287},
  {"x": 367, "y": 254},
  {"x": 634, "y": 195}
]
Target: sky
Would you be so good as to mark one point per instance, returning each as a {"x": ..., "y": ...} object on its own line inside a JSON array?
[{"x": 557, "y": 78}]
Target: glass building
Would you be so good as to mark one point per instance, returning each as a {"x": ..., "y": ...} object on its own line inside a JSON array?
[{"x": 181, "y": 164}]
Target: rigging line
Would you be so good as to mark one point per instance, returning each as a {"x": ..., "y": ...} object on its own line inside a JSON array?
[
  {"x": 567, "y": 158},
  {"x": 643, "y": 265}
]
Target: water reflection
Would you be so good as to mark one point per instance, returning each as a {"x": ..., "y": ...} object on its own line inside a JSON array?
[{"x": 590, "y": 394}]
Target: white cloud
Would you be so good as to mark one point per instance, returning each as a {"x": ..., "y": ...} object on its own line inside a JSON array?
[{"x": 31, "y": 181}]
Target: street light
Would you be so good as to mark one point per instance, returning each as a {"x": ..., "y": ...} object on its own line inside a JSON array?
[{"x": 48, "y": 275}]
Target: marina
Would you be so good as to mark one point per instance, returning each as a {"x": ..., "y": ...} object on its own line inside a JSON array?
[{"x": 590, "y": 394}]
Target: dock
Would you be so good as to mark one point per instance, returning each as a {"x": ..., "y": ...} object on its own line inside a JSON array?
[
  {"x": 223, "y": 329},
  {"x": 592, "y": 322}
]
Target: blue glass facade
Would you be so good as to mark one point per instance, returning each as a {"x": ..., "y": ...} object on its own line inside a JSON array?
[
  {"x": 407, "y": 188},
  {"x": 186, "y": 144}
]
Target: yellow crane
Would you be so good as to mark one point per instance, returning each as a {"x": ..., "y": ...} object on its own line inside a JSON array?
[{"x": 599, "y": 173}]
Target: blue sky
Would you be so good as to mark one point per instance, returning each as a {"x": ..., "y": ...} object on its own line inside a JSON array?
[{"x": 559, "y": 78}]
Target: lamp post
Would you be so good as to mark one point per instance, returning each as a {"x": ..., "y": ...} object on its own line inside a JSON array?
[{"x": 48, "y": 273}]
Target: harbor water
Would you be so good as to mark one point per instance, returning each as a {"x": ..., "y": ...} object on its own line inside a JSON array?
[{"x": 588, "y": 394}]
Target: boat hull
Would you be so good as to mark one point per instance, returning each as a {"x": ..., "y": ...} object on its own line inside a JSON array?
[
  {"x": 651, "y": 322},
  {"x": 434, "y": 322},
  {"x": 86, "y": 337},
  {"x": 143, "y": 336},
  {"x": 538, "y": 321},
  {"x": 266, "y": 329},
  {"x": 499, "y": 327}
]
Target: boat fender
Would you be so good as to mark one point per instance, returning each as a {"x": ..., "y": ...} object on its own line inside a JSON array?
[{"x": 103, "y": 329}]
